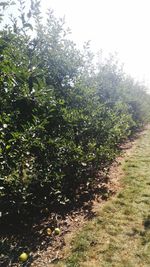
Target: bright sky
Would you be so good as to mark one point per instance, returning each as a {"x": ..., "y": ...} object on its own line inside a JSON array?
[{"x": 121, "y": 26}]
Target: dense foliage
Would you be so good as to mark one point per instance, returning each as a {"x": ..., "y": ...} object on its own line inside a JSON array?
[{"x": 61, "y": 117}]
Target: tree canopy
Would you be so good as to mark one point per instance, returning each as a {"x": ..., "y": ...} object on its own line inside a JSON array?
[{"x": 62, "y": 118}]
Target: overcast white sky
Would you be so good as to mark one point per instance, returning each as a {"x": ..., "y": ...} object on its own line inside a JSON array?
[{"x": 121, "y": 26}]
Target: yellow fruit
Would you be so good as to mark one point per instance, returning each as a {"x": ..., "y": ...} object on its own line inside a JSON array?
[
  {"x": 49, "y": 231},
  {"x": 23, "y": 257},
  {"x": 57, "y": 231}
]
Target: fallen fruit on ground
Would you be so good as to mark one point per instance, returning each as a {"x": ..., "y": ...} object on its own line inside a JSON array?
[
  {"x": 49, "y": 231},
  {"x": 23, "y": 257},
  {"x": 57, "y": 231}
]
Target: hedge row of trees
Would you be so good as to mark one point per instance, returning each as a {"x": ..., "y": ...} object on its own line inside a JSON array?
[{"x": 61, "y": 117}]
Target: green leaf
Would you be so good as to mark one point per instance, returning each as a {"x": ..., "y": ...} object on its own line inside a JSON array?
[{"x": 28, "y": 25}]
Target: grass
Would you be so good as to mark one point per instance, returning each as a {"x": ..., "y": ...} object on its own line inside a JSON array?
[{"x": 119, "y": 236}]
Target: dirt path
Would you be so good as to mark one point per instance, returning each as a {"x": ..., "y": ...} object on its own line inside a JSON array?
[{"x": 119, "y": 236}]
